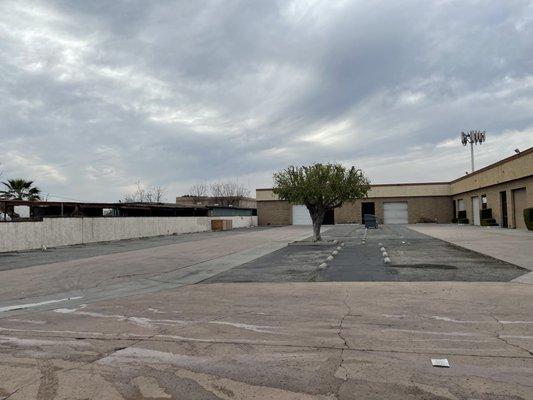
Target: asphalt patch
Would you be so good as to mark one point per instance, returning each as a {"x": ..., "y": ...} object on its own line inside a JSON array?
[{"x": 415, "y": 257}]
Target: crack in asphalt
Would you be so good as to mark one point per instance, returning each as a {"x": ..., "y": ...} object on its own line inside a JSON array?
[
  {"x": 498, "y": 336},
  {"x": 345, "y": 345},
  {"x": 158, "y": 338},
  {"x": 97, "y": 358}
]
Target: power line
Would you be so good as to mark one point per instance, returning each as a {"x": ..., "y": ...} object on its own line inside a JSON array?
[{"x": 61, "y": 197}]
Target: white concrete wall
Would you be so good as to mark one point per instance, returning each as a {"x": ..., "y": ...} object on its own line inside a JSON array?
[{"x": 53, "y": 232}]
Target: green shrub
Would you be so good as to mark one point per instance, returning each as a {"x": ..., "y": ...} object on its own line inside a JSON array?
[
  {"x": 528, "y": 218},
  {"x": 488, "y": 222},
  {"x": 486, "y": 214}
]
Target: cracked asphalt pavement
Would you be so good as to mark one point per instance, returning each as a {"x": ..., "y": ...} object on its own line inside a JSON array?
[
  {"x": 154, "y": 329},
  {"x": 415, "y": 257}
]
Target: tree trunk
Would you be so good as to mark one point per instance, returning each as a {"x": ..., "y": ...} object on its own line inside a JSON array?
[{"x": 317, "y": 216}]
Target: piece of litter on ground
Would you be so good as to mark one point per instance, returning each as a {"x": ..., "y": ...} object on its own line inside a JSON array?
[{"x": 440, "y": 362}]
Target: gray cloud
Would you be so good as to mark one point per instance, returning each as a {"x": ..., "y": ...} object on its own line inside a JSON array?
[{"x": 98, "y": 95}]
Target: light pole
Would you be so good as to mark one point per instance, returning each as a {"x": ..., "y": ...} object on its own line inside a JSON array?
[{"x": 472, "y": 137}]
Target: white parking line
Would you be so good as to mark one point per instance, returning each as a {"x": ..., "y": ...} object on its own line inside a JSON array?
[{"x": 30, "y": 305}]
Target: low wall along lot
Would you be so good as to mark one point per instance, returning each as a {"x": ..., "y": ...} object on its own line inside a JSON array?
[{"x": 53, "y": 232}]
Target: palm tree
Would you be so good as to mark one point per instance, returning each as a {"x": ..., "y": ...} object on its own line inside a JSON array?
[{"x": 20, "y": 189}]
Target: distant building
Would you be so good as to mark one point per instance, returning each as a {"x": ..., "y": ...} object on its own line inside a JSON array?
[
  {"x": 496, "y": 194},
  {"x": 21, "y": 210},
  {"x": 245, "y": 202}
]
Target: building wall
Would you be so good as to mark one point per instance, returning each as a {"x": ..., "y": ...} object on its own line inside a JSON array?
[
  {"x": 348, "y": 213},
  {"x": 494, "y": 199},
  {"x": 265, "y": 195},
  {"x": 385, "y": 190},
  {"x": 410, "y": 190},
  {"x": 434, "y": 208},
  {"x": 53, "y": 232},
  {"x": 432, "y": 201},
  {"x": 509, "y": 169},
  {"x": 274, "y": 212}
]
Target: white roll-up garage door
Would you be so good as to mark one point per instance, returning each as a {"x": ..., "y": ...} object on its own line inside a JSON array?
[
  {"x": 395, "y": 213},
  {"x": 301, "y": 216}
]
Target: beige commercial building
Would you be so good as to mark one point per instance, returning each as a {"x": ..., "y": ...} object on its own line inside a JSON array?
[{"x": 495, "y": 194}]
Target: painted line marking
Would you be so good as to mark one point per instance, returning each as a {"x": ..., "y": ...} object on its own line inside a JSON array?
[{"x": 30, "y": 305}]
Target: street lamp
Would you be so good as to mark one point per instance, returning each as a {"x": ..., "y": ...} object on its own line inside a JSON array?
[{"x": 472, "y": 137}]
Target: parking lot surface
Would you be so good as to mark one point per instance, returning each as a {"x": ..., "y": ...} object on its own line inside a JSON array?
[
  {"x": 511, "y": 245},
  {"x": 183, "y": 318},
  {"x": 357, "y": 340},
  {"x": 185, "y": 260},
  {"x": 414, "y": 257},
  {"x": 23, "y": 259}
]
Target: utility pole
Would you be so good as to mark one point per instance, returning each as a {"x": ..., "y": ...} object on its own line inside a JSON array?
[{"x": 472, "y": 137}]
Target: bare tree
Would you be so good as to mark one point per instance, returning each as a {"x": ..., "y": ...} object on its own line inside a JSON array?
[
  {"x": 155, "y": 194},
  {"x": 228, "y": 193},
  {"x": 137, "y": 196},
  {"x": 159, "y": 193},
  {"x": 217, "y": 193},
  {"x": 198, "y": 192}
]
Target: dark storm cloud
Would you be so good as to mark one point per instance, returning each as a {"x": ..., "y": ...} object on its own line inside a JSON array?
[{"x": 97, "y": 95}]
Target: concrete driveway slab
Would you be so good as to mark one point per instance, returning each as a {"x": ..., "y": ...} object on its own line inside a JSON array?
[
  {"x": 132, "y": 325},
  {"x": 137, "y": 271},
  {"x": 285, "y": 340},
  {"x": 514, "y": 246}
]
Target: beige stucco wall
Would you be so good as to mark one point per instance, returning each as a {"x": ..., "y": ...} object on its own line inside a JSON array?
[
  {"x": 409, "y": 190},
  {"x": 274, "y": 213},
  {"x": 385, "y": 190},
  {"x": 53, "y": 232},
  {"x": 433, "y": 200},
  {"x": 494, "y": 199},
  {"x": 512, "y": 168},
  {"x": 434, "y": 208},
  {"x": 265, "y": 195}
]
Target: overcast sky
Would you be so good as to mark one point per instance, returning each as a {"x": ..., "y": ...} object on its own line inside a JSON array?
[{"x": 95, "y": 95}]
